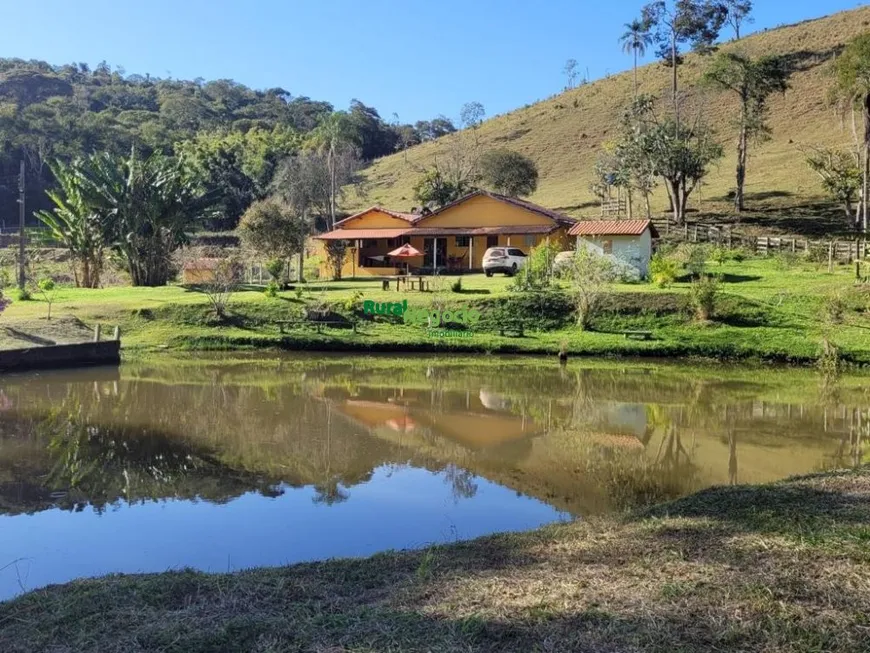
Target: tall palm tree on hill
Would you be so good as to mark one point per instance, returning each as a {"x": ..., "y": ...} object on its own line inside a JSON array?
[{"x": 635, "y": 41}]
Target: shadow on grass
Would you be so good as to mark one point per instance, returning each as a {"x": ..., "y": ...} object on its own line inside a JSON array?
[
  {"x": 794, "y": 509},
  {"x": 737, "y": 278}
]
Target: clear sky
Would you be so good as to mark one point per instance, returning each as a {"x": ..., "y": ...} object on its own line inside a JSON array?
[{"x": 415, "y": 58}]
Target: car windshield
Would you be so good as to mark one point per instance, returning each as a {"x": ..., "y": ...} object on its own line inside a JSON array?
[{"x": 495, "y": 252}]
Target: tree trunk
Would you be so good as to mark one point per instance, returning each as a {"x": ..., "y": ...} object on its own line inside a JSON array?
[
  {"x": 673, "y": 189},
  {"x": 741, "y": 165},
  {"x": 635, "y": 73},
  {"x": 332, "y": 188},
  {"x": 865, "y": 190},
  {"x": 674, "y": 85},
  {"x": 630, "y": 203},
  {"x": 646, "y": 202}
]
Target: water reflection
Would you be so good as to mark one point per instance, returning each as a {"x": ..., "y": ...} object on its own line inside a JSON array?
[{"x": 493, "y": 446}]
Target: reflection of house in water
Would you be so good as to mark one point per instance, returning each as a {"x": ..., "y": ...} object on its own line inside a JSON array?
[{"x": 460, "y": 417}]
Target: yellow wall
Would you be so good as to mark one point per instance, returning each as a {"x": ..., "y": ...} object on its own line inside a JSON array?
[
  {"x": 375, "y": 219},
  {"x": 483, "y": 211},
  {"x": 349, "y": 269}
]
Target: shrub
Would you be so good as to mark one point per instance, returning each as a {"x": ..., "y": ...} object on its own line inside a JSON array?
[
  {"x": 663, "y": 270},
  {"x": 786, "y": 260},
  {"x": 272, "y": 289},
  {"x": 275, "y": 267},
  {"x": 456, "y": 286},
  {"x": 693, "y": 256},
  {"x": 23, "y": 295},
  {"x": 720, "y": 255},
  {"x": 834, "y": 308},
  {"x": 591, "y": 276},
  {"x": 537, "y": 273},
  {"x": 703, "y": 296}
]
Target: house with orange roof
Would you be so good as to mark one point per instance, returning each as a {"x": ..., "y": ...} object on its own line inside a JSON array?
[
  {"x": 453, "y": 238},
  {"x": 628, "y": 240}
]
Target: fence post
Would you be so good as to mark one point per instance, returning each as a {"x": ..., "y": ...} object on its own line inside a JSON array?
[
  {"x": 729, "y": 237},
  {"x": 831, "y": 256},
  {"x": 686, "y": 231},
  {"x": 97, "y": 330},
  {"x": 117, "y": 334},
  {"x": 793, "y": 245}
]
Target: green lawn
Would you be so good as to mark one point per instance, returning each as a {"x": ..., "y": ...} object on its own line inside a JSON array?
[{"x": 766, "y": 310}]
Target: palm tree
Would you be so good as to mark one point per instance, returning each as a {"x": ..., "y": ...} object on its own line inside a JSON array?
[
  {"x": 635, "y": 41},
  {"x": 331, "y": 135}
]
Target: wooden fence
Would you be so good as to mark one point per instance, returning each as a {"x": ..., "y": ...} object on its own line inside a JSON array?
[{"x": 841, "y": 249}]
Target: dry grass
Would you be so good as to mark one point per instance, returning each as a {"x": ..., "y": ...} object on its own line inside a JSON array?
[
  {"x": 563, "y": 134},
  {"x": 782, "y": 567}
]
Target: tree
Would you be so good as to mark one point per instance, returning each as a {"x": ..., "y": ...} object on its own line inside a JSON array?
[
  {"x": 852, "y": 71},
  {"x": 840, "y": 172},
  {"x": 753, "y": 81},
  {"x": 738, "y": 13},
  {"x": 509, "y": 172},
  {"x": 590, "y": 275},
  {"x": 335, "y": 254},
  {"x": 471, "y": 114},
  {"x": 273, "y": 230},
  {"x": 46, "y": 287},
  {"x": 148, "y": 204},
  {"x": 433, "y": 190},
  {"x": 333, "y": 137},
  {"x": 680, "y": 156},
  {"x": 76, "y": 222},
  {"x": 570, "y": 71},
  {"x": 635, "y": 41},
  {"x": 680, "y": 22}
]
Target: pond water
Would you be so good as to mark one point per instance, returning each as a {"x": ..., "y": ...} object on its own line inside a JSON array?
[{"x": 221, "y": 463}]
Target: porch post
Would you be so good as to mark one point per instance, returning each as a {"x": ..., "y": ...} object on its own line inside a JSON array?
[
  {"x": 470, "y": 251},
  {"x": 509, "y": 241},
  {"x": 434, "y": 254}
]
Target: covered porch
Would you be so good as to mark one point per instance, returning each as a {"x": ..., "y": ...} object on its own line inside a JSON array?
[{"x": 445, "y": 251}]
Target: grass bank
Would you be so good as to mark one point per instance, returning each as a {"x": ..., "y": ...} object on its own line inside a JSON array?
[
  {"x": 768, "y": 309},
  {"x": 780, "y": 567}
]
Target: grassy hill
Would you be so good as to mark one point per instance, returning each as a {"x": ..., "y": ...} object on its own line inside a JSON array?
[{"x": 563, "y": 134}]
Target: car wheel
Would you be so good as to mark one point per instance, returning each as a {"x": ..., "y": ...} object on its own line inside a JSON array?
[
  {"x": 513, "y": 269},
  {"x": 488, "y": 273}
]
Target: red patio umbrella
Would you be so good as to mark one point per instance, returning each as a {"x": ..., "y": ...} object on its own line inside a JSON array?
[{"x": 405, "y": 251}]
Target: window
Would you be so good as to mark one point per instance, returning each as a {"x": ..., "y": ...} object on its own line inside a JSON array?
[
  {"x": 406, "y": 240},
  {"x": 370, "y": 242},
  {"x": 392, "y": 243},
  {"x": 607, "y": 246},
  {"x": 492, "y": 241},
  {"x": 530, "y": 241},
  {"x": 515, "y": 252},
  {"x": 462, "y": 241}
]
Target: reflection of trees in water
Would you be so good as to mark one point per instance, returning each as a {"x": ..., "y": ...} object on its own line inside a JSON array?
[{"x": 461, "y": 482}]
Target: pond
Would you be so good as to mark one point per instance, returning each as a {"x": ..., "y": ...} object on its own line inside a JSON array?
[{"x": 221, "y": 463}]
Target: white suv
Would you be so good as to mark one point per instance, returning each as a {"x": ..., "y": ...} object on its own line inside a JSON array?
[{"x": 503, "y": 259}]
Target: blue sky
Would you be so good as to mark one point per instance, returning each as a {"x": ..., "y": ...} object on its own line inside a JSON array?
[{"x": 417, "y": 59}]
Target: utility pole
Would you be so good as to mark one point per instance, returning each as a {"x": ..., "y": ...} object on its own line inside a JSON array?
[{"x": 21, "y": 278}]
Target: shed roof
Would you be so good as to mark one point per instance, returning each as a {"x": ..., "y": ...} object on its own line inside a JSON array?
[{"x": 612, "y": 228}]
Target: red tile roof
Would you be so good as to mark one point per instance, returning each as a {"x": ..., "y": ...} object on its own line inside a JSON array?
[
  {"x": 356, "y": 234},
  {"x": 611, "y": 228}
]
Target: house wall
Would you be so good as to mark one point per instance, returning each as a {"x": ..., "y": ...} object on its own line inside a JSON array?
[
  {"x": 375, "y": 219},
  {"x": 483, "y": 211},
  {"x": 635, "y": 250}
]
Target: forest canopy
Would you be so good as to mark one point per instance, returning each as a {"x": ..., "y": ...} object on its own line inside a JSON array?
[{"x": 50, "y": 112}]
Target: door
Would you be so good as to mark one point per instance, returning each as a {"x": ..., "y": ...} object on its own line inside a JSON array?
[{"x": 435, "y": 252}]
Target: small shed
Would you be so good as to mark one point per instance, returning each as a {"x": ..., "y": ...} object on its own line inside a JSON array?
[
  {"x": 627, "y": 240},
  {"x": 199, "y": 271}
]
